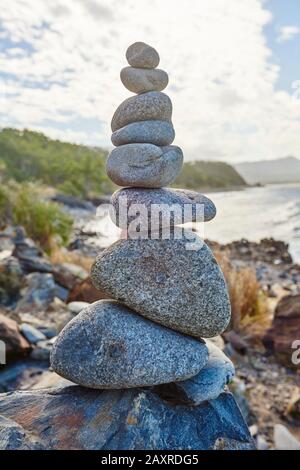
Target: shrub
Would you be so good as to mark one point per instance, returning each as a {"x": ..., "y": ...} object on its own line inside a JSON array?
[
  {"x": 45, "y": 222},
  {"x": 250, "y": 311},
  {"x": 75, "y": 169},
  {"x": 5, "y": 206}
]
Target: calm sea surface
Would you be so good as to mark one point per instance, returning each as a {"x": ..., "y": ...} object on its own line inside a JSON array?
[{"x": 254, "y": 213}]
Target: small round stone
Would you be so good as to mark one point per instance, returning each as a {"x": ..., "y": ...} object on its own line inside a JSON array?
[
  {"x": 144, "y": 80},
  {"x": 108, "y": 346},
  {"x": 144, "y": 107},
  {"x": 176, "y": 206},
  {"x": 145, "y": 132},
  {"x": 175, "y": 282},
  {"x": 142, "y": 55},
  {"x": 144, "y": 165}
]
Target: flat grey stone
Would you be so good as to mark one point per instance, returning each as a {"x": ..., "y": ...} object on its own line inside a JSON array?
[
  {"x": 143, "y": 80},
  {"x": 189, "y": 206},
  {"x": 144, "y": 107},
  {"x": 207, "y": 385},
  {"x": 144, "y": 165},
  {"x": 108, "y": 346},
  {"x": 76, "y": 418},
  {"x": 33, "y": 335},
  {"x": 145, "y": 132},
  {"x": 174, "y": 282},
  {"x": 140, "y": 54}
]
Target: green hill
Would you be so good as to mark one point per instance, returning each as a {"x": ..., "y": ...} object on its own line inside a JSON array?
[
  {"x": 74, "y": 169},
  {"x": 208, "y": 175},
  {"x": 80, "y": 171}
]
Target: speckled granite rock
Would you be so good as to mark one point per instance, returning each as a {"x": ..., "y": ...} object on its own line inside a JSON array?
[
  {"x": 142, "y": 55},
  {"x": 167, "y": 281},
  {"x": 160, "y": 200},
  {"x": 145, "y": 132},
  {"x": 144, "y": 80},
  {"x": 148, "y": 106},
  {"x": 74, "y": 418},
  {"x": 108, "y": 346},
  {"x": 207, "y": 385},
  {"x": 144, "y": 165}
]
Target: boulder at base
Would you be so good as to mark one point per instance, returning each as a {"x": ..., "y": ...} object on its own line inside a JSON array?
[{"x": 77, "y": 418}]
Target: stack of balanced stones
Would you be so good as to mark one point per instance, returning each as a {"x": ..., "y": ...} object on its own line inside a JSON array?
[{"x": 165, "y": 297}]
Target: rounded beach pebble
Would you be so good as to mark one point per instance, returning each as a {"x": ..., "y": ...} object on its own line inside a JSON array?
[
  {"x": 144, "y": 165},
  {"x": 143, "y": 80},
  {"x": 173, "y": 282},
  {"x": 144, "y": 107},
  {"x": 176, "y": 206},
  {"x": 145, "y": 132},
  {"x": 108, "y": 346},
  {"x": 142, "y": 55}
]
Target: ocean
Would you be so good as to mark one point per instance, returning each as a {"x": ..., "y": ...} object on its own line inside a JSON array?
[{"x": 256, "y": 213}]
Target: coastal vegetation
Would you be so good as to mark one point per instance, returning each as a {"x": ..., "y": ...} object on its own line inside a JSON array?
[
  {"x": 79, "y": 170},
  {"x": 44, "y": 221}
]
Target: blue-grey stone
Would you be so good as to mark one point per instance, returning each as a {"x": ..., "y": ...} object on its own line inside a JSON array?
[
  {"x": 176, "y": 206},
  {"x": 72, "y": 417},
  {"x": 32, "y": 334},
  {"x": 108, "y": 346},
  {"x": 147, "y": 132},
  {"x": 144, "y": 165},
  {"x": 208, "y": 384},
  {"x": 144, "y": 107},
  {"x": 175, "y": 282}
]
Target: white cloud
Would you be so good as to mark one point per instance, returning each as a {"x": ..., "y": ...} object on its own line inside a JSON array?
[
  {"x": 221, "y": 74},
  {"x": 286, "y": 33}
]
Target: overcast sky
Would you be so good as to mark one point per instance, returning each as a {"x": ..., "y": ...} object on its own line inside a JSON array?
[{"x": 233, "y": 67}]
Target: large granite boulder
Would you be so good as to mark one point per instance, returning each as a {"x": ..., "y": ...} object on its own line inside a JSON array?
[
  {"x": 78, "y": 418},
  {"x": 176, "y": 283}
]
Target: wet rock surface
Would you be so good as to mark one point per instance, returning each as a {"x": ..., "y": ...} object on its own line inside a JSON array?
[{"x": 64, "y": 418}]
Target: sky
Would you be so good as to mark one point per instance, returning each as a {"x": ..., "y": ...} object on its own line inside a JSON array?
[{"x": 234, "y": 75}]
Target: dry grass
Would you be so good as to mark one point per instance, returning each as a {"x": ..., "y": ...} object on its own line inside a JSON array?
[
  {"x": 62, "y": 255},
  {"x": 250, "y": 307}
]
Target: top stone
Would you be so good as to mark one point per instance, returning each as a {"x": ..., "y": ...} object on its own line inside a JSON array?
[{"x": 142, "y": 55}]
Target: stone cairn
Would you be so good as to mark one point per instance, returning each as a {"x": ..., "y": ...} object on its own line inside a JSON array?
[{"x": 165, "y": 298}]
